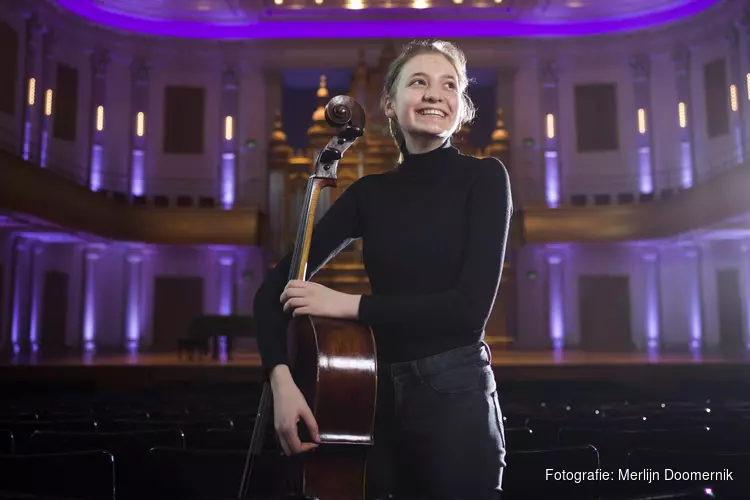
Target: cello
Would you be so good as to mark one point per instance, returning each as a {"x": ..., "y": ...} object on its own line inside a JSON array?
[{"x": 333, "y": 361}]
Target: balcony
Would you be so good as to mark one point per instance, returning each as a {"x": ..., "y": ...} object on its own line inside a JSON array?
[
  {"x": 191, "y": 211},
  {"x": 56, "y": 199}
]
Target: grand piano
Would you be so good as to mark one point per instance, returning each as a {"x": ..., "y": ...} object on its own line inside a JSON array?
[{"x": 206, "y": 331}]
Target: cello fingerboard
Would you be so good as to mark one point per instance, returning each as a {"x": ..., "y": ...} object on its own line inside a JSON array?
[{"x": 298, "y": 268}]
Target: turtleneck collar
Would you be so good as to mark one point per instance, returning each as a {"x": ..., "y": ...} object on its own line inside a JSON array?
[{"x": 431, "y": 161}]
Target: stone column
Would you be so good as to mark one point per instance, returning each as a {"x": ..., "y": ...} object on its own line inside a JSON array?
[
  {"x": 32, "y": 86},
  {"x": 139, "y": 71},
  {"x": 745, "y": 70},
  {"x": 736, "y": 103},
  {"x": 745, "y": 293},
  {"x": 49, "y": 74},
  {"x": 506, "y": 79},
  {"x": 694, "y": 302},
  {"x": 20, "y": 299},
  {"x": 550, "y": 105},
  {"x": 37, "y": 293},
  {"x": 229, "y": 109},
  {"x": 92, "y": 255},
  {"x": 134, "y": 318},
  {"x": 99, "y": 64},
  {"x": 683, "y": 117},
  {"x": 651, "y": 309},
  {"x": 555, "y": 280},
  {"x": 640, "y": 66},
  {"x": 226, "y": 283}
]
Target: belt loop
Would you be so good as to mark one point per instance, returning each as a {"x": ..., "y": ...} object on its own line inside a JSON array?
[
  {"x": 487, "y": 348},
  {"x": 415, "y": 370}
]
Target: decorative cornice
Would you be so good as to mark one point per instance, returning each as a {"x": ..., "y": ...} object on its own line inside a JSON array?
[
  {"x": 100, "y": 60},
  {"x": 640, "y": 65}
]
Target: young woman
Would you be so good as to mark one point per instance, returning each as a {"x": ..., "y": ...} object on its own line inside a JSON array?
[{"x": 434, "y": 232}]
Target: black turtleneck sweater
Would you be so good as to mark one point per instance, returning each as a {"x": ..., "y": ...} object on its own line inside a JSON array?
[{"x": 434, "y": 232}]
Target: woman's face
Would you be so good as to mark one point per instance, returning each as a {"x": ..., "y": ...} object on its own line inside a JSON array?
[{"x": 427, "y": 101}]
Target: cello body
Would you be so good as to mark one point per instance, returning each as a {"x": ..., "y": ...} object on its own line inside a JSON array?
[
  {"x": 335, "y": 368},
  {"x": 333, "y": 361}
]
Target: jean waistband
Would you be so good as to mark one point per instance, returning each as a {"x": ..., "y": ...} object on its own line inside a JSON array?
[{"x": 478, "y": 353}]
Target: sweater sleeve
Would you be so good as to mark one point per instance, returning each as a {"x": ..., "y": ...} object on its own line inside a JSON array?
[
  {"x": 468, "y": 305},
  {"x": 338, "y": 226}
]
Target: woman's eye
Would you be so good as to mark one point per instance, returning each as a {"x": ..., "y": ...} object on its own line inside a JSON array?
[{"x": 419, "y": 81}]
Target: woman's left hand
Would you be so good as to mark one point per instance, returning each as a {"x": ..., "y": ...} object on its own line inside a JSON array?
[{"x": 314, "y": 299}]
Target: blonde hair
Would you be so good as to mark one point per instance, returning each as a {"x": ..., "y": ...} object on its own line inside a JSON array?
[{"x": 417, "y": 47}]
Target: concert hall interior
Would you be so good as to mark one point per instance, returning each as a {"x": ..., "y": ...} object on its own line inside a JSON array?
[{"x": 154, "y": 159}]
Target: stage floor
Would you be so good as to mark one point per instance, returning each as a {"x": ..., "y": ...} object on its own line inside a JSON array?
[{"x": 508, "y": 365}]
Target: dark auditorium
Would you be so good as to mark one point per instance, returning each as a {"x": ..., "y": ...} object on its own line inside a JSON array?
[{"x": 374, "y": 249}]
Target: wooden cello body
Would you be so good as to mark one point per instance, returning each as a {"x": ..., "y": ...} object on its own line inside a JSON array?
[{"x": 333, "y": 361}]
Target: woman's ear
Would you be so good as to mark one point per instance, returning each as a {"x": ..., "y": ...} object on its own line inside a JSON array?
[{"x": 389, "y": 111}]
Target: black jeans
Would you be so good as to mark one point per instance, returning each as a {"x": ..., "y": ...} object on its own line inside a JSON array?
[{"x": 438, "y": 430}]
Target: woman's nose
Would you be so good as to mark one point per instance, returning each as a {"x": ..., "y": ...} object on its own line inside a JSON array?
[{"x": 431, "y": 95}]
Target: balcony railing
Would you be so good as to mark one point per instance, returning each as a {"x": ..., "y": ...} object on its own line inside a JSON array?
[
  {"x": 156, "y": 190},
  {"x": 586, "y": 189},
  {"x": 529, "y": 188}
]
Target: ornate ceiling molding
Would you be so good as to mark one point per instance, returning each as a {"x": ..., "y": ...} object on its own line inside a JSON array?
[{"x": 287, "y": 19}]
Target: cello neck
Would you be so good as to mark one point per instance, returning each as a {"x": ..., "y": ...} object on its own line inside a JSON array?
[
  {"x": 348, "y": 117},
  {"x": 315, "y": 185}
]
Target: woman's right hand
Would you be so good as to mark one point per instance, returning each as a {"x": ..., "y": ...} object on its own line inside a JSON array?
[{"x": 289, "y": 407}]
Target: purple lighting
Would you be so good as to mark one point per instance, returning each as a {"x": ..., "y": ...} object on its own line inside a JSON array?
[
  {"x": 652, "y": 300},
  {"x": 225, "y": 284},
  {"x": 644, "y": 165},
  {"x": 227, "y": 180},
  {"x": 552, "y": 174},
  {"x": 89, "y": 311},
  {"x": 357, "y": 28},
  {"x": 694, "y": 300},
  {"x": 133, "y": 327},
  {"x": 556, "y": 314},
  {"x": 136, "y": 181},
  {"x": 97, "y": 153}
]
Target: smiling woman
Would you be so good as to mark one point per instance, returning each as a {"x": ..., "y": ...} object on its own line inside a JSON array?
[
  {"x": 434, "y": 231},
  {"x": 426, "y": 96}
]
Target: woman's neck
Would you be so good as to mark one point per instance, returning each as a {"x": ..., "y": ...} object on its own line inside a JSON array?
[{"x": 419, "y": 145}]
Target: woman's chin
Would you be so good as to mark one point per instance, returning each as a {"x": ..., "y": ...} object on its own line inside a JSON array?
[{"x": 430, "y": 132}]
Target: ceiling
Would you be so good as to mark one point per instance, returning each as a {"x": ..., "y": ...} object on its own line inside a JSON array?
[{"x": 241, "y": 19}]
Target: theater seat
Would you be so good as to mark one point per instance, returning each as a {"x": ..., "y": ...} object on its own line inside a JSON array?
[
  {"x": 88, "y": 475},
  {"x": 685, "y": 494},
  {"x": 128, "y": 448},
  {"x": 7, "y": 442},
  {"x": 531, "y": 474},
  {"x": 201, "y": 474},
  {"x": 699, "y": 462}
]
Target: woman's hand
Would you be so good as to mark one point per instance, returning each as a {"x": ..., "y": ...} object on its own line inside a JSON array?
[
  {"x": 314, "y": 299},
  {"x": 289, "y": 407}
]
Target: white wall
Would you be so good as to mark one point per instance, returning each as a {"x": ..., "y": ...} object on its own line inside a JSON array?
[
  {"x": 72, "y": 156},
  {"x": 117, "y": 126},
  {"x": 675, "y": 271},
  {"x": 111, "y": 273},
  {"x": 597, "y": 172},
  {"x": 711, "y": 154}
]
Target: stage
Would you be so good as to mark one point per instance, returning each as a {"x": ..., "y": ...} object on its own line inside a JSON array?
[{"x": 512, "y": 368}]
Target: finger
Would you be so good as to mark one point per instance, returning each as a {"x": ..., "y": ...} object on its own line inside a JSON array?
[
  {"x": 295, "y": 445},
  {"x": 308, "y": 447},
  {"x": 302, "y": 311},
  {"x": 295, "y": 303},
  {"x": 311, "y": 423},
  {"x": 294, "y": 292},
  {"x": 283, "y": 443}
]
